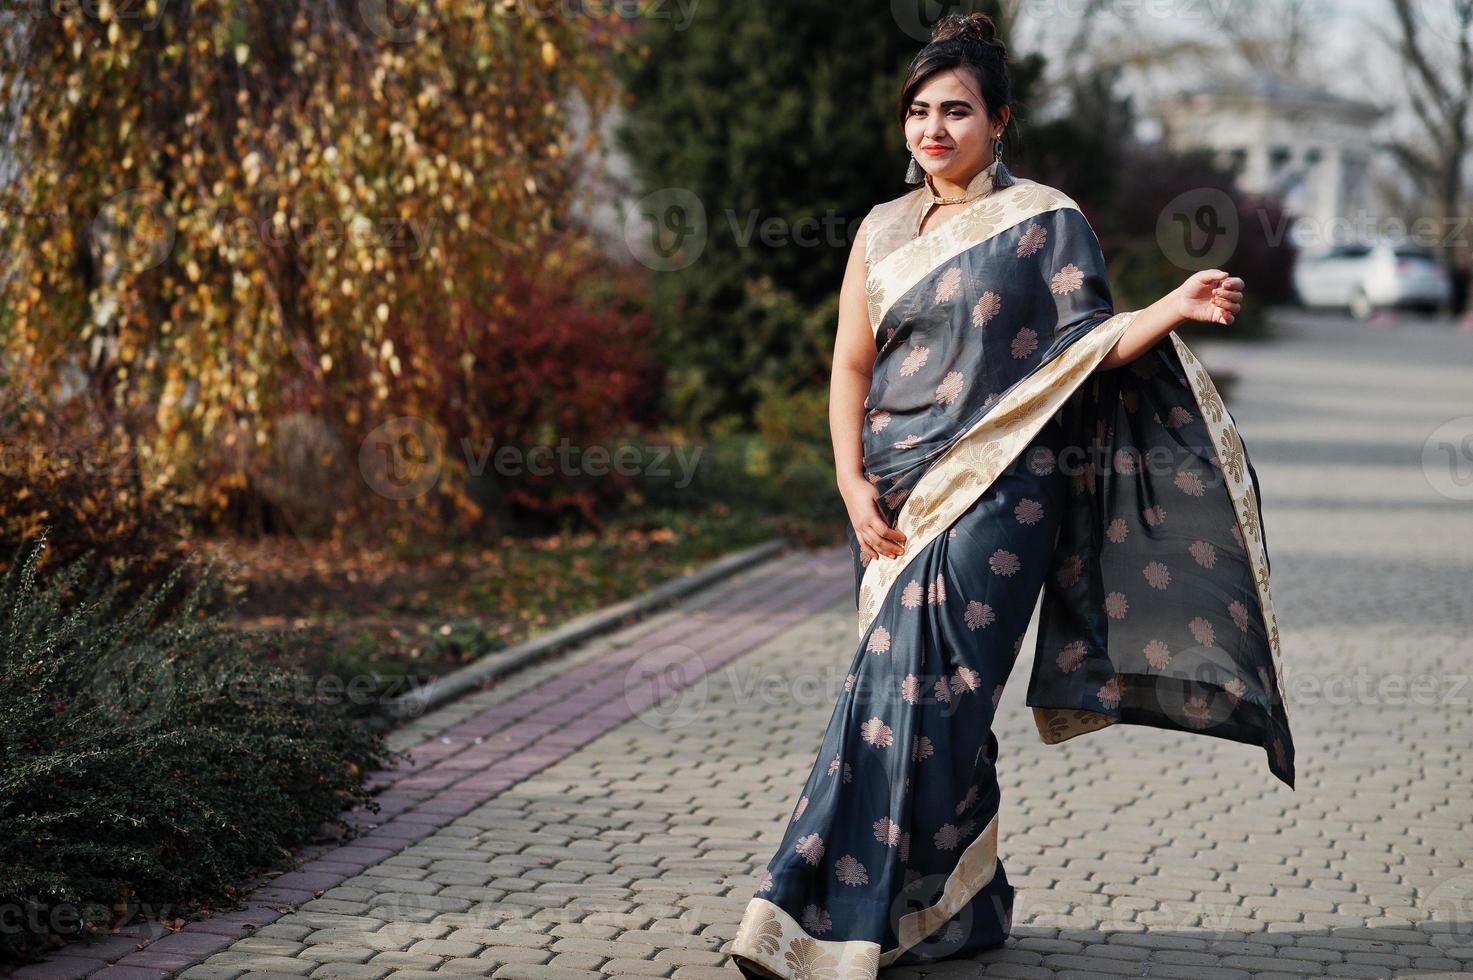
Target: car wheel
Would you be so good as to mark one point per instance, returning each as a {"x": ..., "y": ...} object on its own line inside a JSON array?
[{"x": 1360, "y": 305}]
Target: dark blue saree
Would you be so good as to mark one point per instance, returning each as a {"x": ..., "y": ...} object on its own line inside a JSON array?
[{"x": 1014, "y": 465}]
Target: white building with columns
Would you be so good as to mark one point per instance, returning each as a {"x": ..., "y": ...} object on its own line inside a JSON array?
[{"x": 1310, "y": 148}]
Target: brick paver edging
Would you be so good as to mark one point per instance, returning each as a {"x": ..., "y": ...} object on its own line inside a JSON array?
[
  {"x": 478, "y": 758},
  {"x": 443, "y": 690}
]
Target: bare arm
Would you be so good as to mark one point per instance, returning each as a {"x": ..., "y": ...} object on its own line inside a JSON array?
[
  {"x": 1149, "y": 326},
  {"x": 1211, "y": 296},
  {"x": 854, "y": 358}
]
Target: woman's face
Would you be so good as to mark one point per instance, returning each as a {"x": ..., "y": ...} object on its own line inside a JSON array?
[{"x": 948, "y": 112}]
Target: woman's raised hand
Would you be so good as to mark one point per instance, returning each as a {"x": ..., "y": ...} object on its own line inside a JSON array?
[
  {"x": 1211, "y": 296},
  {"x": 861, "y": 499}
]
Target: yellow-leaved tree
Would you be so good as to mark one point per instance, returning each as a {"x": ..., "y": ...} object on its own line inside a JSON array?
[{"x": 223, "y": 217}]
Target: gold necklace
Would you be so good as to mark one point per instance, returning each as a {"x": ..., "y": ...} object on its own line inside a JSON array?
[{"x": 936, "y": 199}]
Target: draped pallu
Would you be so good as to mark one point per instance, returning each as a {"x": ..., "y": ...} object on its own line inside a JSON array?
[{"x": 1015, "y": 466}]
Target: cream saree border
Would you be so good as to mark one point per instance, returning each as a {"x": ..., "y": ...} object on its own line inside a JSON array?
[
  {"x": 771, "y": 942},
  {"x": 1232, "y": 460},
  {"x": 769, "y": 938},
  {"x": 894, "y": 274},
  {"x": 971, "y": 464},
  {"x": 1061, "y": 724}
]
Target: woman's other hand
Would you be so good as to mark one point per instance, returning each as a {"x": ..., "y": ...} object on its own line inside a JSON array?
[
  {"x": 1211, "y": 296},
  {"x": 876, "y": 537}
]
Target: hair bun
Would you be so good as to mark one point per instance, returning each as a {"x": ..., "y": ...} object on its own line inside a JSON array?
[{"x": 975, "y": 27}]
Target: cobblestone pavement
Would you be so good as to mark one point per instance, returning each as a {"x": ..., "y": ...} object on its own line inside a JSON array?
[{"x": 631, "y": 850}]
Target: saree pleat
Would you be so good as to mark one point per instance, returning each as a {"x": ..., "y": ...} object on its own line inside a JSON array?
[{"x": 1015, "y": 466}]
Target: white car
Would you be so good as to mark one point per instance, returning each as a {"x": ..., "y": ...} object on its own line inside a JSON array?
[{"x": 1367, "y": 276}]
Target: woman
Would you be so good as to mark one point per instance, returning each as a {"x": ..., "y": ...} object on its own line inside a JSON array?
[{"x": 1000, "y": 430}]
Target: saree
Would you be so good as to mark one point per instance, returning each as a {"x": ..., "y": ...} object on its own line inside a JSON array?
[{"x": 1016, "y": 466}]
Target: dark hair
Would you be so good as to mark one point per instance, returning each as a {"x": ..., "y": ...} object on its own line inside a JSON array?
[{"x": 962, "y": 41}]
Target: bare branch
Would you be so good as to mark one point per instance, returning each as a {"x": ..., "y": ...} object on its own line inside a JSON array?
[{"x": 1414, "y": 56}]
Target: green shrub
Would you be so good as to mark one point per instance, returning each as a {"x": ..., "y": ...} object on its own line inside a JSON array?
[
  {"x": 778, "y": 468},
  {"x": 770, "y": 239},
  {"x": 462, "y": 641},
  {"x": 150, "y": 762}
]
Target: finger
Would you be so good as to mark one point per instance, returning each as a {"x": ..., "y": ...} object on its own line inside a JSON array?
[
  {"x": 878, "y": 543},
  {"x": 892, "y": 547}
]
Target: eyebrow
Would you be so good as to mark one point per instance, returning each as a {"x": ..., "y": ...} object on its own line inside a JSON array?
[{"x": 949, "y": 102}]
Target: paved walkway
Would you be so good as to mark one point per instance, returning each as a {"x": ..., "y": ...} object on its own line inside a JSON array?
[{"x": 605, "y": 814}]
